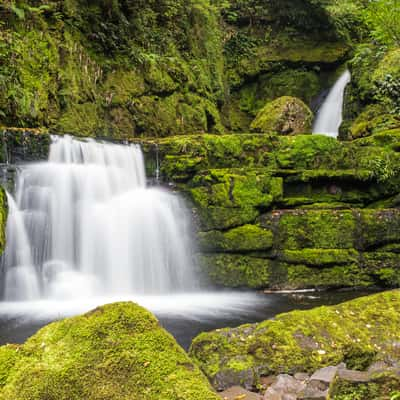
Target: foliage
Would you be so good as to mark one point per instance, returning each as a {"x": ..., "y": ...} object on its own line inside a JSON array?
[{"x": 382, "y": 18}]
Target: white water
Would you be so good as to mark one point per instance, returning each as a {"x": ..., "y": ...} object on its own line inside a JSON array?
[
  {"x": 85, "y": 225},
  {"x": 330, "y": 115}
]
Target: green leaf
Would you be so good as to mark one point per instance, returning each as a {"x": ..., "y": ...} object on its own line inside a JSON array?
[{"x": 19, "y": 12}]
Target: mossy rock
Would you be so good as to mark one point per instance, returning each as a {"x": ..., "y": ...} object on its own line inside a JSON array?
[
  {"x": 118, "y": 351},
  {"x": 238, "y": 240},
  {"x": 236, "y": 270},
  {"x": 358, "y": 332},
  {"x": 285, "y": 115},
  {"x": 382, "y": 386},
  {"x": 316, "y": 229}
]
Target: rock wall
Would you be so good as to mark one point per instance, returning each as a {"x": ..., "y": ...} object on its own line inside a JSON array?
[{"x": 300, "y": 212}]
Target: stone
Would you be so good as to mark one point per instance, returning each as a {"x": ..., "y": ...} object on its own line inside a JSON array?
[
  {"x": 378, "y": 366},
  {"x": 285, "y": 388},
  {"x": 267, "y": 381},
  {"x": 301, "y": 376},
  {"x": 287, "y": 384},
  {"x": 238, "y": 393},
  {"x": 230, "y": 377},
  {"x": 285, "y": 115},
  {"x": 114, "y": 352},
  {"x": 326, "y": 375},
  {"x": 272, "y": 394},
  {"x": 353, "y": 376},
  {"x": 311, "y": 393}
]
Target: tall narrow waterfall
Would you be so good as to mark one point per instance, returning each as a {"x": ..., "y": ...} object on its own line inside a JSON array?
[
  {"x": 85, "y": 224},
  {"x": 330, "y": 115}
]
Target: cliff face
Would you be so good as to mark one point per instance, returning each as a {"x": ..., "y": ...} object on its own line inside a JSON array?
[{"x": 158, "y": 68}]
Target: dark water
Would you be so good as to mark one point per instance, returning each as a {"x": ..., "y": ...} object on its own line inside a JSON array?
[{"x": 182, "y": 316}]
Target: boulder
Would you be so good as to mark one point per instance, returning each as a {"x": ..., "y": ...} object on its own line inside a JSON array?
[
  {"x": 118, "y": 351},
  {"x": 359, "y": 333},
  {"x": 238, "y": 393},
  {"x": 285, "y": 115}
]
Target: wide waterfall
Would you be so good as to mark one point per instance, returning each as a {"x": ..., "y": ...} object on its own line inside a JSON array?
[
  {"x": 84, "y": 224},
  {"x": 330, "y": 115}
]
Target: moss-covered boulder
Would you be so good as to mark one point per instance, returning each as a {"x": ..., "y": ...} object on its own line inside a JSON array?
[
  {"x": 358, "y": 333},
  {"x": 114, "y": 352},
  {"x": 285, "y": 115}
]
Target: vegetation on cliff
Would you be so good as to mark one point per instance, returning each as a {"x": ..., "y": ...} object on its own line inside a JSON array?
[{"x": 122, "y": 69}]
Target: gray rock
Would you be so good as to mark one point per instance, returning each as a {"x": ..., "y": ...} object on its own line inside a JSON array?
[
  {"x": 311, "y": 393},
  {"x": 354, "y": 376},
  {"x": 237, "y": 392},
  {"x": 228, "y": 378},
  {"x": 377, "y": 367},
  {"x": 272, "y": 394},
  {"x": 267, "y": 381},
  {"x": 301, "y": 376},
  {"x": 285, "y": 388},
  {"x": 326, "y": 375},
  {"x": 288, "y": 384}
]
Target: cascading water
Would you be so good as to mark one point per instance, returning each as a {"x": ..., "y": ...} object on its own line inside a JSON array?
[
  {"x": 84, "y": 224},
  {"x": 329, "y": 117}
]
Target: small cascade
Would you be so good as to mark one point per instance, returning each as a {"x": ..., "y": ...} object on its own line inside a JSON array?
[
  {"x": 20, "y": 276},
  {"x": 330, "y": 115},
  {"x": 84, "y": 224}
]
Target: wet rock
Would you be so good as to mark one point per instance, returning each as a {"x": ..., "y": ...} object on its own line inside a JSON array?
[{"x": 238, "y": 393}]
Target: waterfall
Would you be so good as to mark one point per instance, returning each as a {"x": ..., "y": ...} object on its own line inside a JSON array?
[
  {"x": 84, "y": 224},
  {"x": 329, "y": 116}
]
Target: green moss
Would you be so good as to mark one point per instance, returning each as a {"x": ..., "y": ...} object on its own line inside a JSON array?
[
  {"x": 9, "y": 355},
  {"x": 382, "y": 387},
  {"x": 236, "y": 271},
  {"x": 372, "y": 104},
  {"x": 242, "y": 239},
  {"x": 122, "y": 86},
  {"x": 333, "y": 276},
  {"x": 357, "y": 332},
  {"x": 82, "y": 120},
  {"x": 116, "y": 351},
  {"x": 319, "y": 257},
  {"x": 308, "y": 152},
  {"x": 304, "y": 85},
  {"x": 319, "y": 229},
  {"x": 285, "y": 115}
]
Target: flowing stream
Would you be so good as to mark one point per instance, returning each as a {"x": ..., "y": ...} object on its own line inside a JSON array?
[{"x": 330, "y": 115}]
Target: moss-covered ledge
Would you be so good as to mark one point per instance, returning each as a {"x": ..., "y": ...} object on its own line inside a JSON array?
[
  {"x": 358, "y": 332},
  {"x": 118, "y": 351}
]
